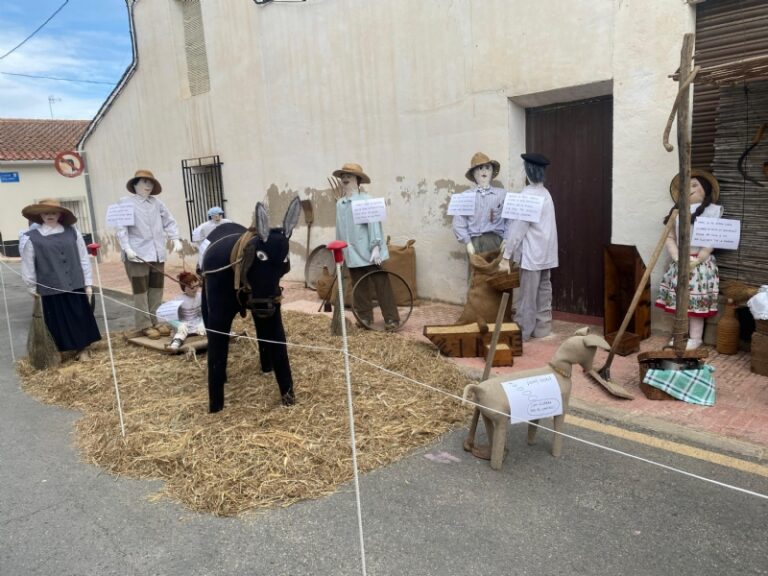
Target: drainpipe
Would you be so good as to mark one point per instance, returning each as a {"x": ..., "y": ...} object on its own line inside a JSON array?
[{"x": 129, "y": 4}]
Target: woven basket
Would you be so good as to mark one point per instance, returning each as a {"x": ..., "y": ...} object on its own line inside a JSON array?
[
  {"x": 504, "y": 282},
  {"x": 728, "y": 331},
  {"x": 761, "y": 327}
]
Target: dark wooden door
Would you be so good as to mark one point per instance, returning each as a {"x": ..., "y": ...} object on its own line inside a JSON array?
[{"x": 577, "y": 139}]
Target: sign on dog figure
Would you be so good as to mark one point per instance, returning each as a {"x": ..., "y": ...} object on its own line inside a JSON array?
[{"x": 533, "y": 397}]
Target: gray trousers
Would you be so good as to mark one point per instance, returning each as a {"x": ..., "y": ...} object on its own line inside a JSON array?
[
  {"x": 534, "y": 304},
  {"x": 147, "y": 287}
]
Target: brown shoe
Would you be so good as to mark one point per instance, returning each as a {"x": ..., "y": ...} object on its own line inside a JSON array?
[
  {"x": 151, "y": 333},
  {"x": 163, "y": 329}
]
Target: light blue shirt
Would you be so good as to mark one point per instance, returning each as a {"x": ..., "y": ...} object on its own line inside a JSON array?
[
  {"x": 360, "y": 238},
  {"x": 489, "y": 203}
]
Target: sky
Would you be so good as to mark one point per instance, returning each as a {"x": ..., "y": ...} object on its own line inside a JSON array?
[{"x": 86, "y": 40}]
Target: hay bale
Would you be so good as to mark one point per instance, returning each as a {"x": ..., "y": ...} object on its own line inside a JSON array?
[{"x": 256, "y": 453}]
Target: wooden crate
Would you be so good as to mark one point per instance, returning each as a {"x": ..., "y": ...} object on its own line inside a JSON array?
[
  {"x": 466, "y": 341},
  {"x": 503, "y": 355},
  {"x": 759, "y": 353},
  {"x": 654, "y": 358},
  {"x": 630, "y": 343}
]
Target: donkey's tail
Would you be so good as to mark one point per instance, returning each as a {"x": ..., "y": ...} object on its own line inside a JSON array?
[{"x": 468, "y": 389}]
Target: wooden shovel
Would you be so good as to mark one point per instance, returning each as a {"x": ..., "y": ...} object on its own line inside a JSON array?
[{"x": 603, "y": 376}]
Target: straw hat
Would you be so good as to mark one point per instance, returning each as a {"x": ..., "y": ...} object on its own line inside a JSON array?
[
  {"x": 144, "y": 174},
  {"x": 351, "y": 168},
  {"x": 34, "y": 212},
  {"x": 478, "y": 160},
  {"x": 674, "y": 186}
]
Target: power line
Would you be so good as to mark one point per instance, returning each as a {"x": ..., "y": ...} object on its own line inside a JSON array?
[
  {"x": 20, "y": 44},
  {"x": 60, "y": 79}
]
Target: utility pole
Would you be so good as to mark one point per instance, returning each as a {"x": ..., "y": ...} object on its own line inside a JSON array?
[{"x": 51, "y": 100}]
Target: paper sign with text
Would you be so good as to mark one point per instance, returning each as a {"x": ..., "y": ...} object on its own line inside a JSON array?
[
  {"x": 462, "y": 204},
  {"x": 168, "y": 311},
  {"x": 120, "y": 215},
  {"x": 716, "y": 233},
  {"x": 366, "y": 211},
  {"x": 533, "y": 397},
  {"x": 522, "y": 207}
]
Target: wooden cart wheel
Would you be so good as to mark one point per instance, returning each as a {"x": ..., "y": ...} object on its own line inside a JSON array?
[
  {"x": 404, "y": 300},
  {"x": 319, "y": 257}
]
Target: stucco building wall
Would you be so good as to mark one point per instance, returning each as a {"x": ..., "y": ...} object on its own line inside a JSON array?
[{"x": 410, "y": 90}]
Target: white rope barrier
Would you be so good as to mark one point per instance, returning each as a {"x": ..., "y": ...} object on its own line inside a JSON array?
[{"x": 474, "y": 404}]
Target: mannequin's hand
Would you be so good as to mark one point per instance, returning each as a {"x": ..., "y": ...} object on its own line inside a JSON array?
[
  {"x": 502, "y": 246},
  {"x": 376, "y": 256},
  {"x": 131, "y": 255},
  {"x": 178, "y": 247},
  {"x": 505, "y": 266},
  {"x": 470, "y": 248},
  {"x": 34, "y": 294},
  {"x": 89, "y": 291}
]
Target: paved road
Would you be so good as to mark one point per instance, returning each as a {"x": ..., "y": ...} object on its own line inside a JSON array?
[{"x": 590, "y": 512}]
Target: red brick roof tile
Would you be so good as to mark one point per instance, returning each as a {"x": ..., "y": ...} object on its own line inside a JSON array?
[{"x": 38, "y": 139}]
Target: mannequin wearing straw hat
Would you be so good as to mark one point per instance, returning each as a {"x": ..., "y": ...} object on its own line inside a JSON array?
[
  {"x": 143, "y": 250},
  {"x": 484, "y": 230},
  {"x": 56, "y": 268},
  {"x": 365, "y": 249},
  {"x": 704, "y": 276}
]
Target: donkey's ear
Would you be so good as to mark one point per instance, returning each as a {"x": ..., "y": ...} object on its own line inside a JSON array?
[
  {"x": 261, "y": 222},
  {"x": 291, "y": 217}
]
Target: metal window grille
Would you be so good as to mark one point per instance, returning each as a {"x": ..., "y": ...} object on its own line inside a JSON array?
[
  {"x": 78, "y": 208},
  {"x": 203, "y": 188}
]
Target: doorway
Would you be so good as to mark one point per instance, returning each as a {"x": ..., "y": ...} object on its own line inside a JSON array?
[{"x": 577, "y": 137}]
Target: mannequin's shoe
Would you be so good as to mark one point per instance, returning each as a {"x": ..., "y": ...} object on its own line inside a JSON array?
[
  {"x": 175, "y": 344},
  {"x": 693, "y": 344}
]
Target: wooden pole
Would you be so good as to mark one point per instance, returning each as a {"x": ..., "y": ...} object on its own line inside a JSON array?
[
  {"x": 495, "y": 337},
  {"x": 684, "y": 204}
]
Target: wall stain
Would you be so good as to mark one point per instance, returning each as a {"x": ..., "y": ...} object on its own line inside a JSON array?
[{"x": 323, "y": 204}]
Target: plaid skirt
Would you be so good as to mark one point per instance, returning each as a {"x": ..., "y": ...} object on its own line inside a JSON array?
[{"x": 704, "y": 289}]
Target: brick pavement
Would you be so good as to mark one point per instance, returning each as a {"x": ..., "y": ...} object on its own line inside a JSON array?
[{"x": 740, "y": 412}]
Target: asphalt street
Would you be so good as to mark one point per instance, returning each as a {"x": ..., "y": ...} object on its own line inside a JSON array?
[{"x": 437, "y": 512}]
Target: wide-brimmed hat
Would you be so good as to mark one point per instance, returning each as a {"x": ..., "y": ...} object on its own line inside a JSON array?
[
  {"x": 674, "y": 185},
  {"x": 351, "y": 168},
  {"x": 149, "y": 176},
  {"x": 34, "y": 212},
  {"x": 478, "y": 160}
]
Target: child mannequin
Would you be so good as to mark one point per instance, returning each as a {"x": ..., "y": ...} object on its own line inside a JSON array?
[
  {"x": 199, "y": 234},
  {"x": 365, "y": 250},
  {"x": 704, "y": 276},
  {"x": 190, "y": 311}
]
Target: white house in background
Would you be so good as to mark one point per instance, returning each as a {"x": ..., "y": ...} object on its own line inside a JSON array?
[
  {"x": 232, "y": 103},
  {"x": 27, "y": 173}
]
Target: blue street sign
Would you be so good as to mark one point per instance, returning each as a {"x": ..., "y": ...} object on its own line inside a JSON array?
[{"x": 9, "y": 176}]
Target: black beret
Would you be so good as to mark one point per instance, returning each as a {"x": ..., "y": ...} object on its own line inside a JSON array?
[{"x": 538, "y": 159}]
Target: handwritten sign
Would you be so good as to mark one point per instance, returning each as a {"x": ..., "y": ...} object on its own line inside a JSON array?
[
  {"x": 533, "y": 397},
  {"x": 367, "y": 211},
  {"x": 462, "y": 204},
  {"x": 120, "y": 215},
  {"x": 168, "y": 311},
  {"x": 522, "y": 207},
  {"x": 716, "y": 232}
]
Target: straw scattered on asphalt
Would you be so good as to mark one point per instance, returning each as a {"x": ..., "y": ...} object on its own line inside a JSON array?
[{"x": 255, "y": 453}]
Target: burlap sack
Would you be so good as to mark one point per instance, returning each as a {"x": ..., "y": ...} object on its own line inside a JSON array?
[
  {"x": 402, "y": 261},
  {"x": 483, "y": 301},
  {"x": 324, "y": 283}
]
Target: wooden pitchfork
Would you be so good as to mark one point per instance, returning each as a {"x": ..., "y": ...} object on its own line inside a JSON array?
[{"x": 335, "y": 187}]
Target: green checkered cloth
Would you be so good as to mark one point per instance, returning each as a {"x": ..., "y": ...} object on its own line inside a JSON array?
[{"x": 694, "y": 386}]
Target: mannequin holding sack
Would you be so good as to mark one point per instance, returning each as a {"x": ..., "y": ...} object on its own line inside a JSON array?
[{"x": 704, "y": 281}]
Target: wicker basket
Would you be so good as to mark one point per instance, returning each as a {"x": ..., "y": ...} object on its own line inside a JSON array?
[
  {"x": 761, "y": 327},
  {"x": 504, "y": 282}
]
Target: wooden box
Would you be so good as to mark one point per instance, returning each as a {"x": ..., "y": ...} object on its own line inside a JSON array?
[
  {"x": 759, "y": 353},
  {"x": 630, "y": 343},
  {"x": 466, "y": 341},
  {"x": 623, "y": 269},
  {"x": 503, "y": 355},
  {"x": 654, "y": 359}
]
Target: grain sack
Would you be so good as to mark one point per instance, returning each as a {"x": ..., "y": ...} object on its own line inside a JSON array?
[
  {"x": 483, "y": 301},
  {"x": 402, "y": 261}
]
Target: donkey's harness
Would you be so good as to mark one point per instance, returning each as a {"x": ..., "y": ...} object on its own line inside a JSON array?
[{"x": 240, "y": 260}]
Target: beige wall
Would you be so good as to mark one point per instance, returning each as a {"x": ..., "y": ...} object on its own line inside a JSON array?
[
  {"x": 410, "y": 90},
  {"x": 37, "y": 181}
]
